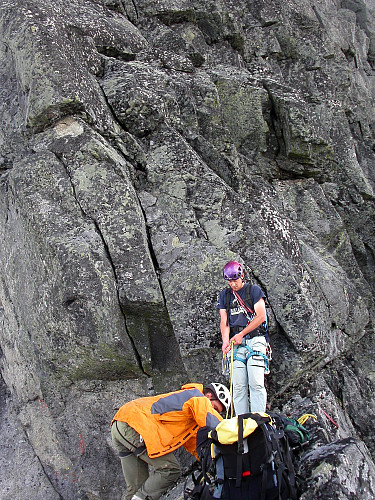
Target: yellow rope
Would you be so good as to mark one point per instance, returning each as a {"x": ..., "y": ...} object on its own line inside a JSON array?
[
  {"x": 305, "y": 417},
  {"x": 231, "y": 381},
  {"x": 225, "y": 368}
]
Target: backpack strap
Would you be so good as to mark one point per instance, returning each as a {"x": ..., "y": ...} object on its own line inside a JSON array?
[
  {"x": 228, "y": 292},
  {"x": 247, "y": 304},
  {"x": 240, "y": 450},
  {"x": 240, "y": 446},
  {"x": 206, "y": 462},
  {"x": 244, "y": 303},
  {"x": 248, "y": 299},
  {"x": 219, "y": 476}
]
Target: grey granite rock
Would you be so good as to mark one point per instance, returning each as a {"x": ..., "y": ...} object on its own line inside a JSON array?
[{"x": 143, "y": 145}]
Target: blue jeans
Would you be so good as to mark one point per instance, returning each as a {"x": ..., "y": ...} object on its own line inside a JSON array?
[{"x": 248, "y": 371}]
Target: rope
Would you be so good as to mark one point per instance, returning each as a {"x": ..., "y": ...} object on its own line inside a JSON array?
[
  {"x": 302, "y": 420},
  {"x": 330, "y": 418},
  {"x": 230, "y": 378},
  {"x": 244, "y": 306}
]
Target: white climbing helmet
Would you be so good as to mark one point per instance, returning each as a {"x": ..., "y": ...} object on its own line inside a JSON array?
[{"x": 221, "y": 392}]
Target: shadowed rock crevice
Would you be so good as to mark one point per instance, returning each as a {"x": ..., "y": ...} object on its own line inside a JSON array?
[
  {"x": 144, "y": 322},
  {"x": 71, "y": 301}
]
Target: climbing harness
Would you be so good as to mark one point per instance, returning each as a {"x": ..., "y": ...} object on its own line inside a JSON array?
[
  {"x": 252, "y": 353},
  {"x": 227, "y": 366}
]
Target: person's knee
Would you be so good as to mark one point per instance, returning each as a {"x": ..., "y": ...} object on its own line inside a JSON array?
[
  {"x": 256, "y": 377},
  {"x": 257, "y": 386},
  {"x": 239, "y": 386},
  {"x": 170, "y": 470}
]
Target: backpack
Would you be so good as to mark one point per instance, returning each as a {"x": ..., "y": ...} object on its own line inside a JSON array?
[
  {"x": 244, "y": 458},
  {"x": 296, "y": 433}
]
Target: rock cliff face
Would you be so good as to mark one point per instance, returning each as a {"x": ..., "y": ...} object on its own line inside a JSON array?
[{"x": 143, "y": 144}]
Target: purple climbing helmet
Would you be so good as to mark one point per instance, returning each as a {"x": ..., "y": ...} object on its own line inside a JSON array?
[{"x": 232, "y": 270}]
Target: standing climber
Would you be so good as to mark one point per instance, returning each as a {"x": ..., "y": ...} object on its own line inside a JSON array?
[
  {"x": 243, "y": 322},
  {"x": 146, "y": 431}
]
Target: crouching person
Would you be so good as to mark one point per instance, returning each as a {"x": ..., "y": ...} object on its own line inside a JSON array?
[{"x": 148, "y": 430}]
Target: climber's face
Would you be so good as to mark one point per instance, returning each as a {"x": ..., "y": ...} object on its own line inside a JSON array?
[
  {"x": 236, "y": 284},
  {"x": 216, "y": 403}
]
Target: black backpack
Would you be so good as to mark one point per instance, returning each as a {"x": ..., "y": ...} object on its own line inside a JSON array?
[{"x": 257, "y": 467}]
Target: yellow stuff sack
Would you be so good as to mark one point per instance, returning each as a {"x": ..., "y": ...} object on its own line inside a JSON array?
[{"x": 226, "y": 432}]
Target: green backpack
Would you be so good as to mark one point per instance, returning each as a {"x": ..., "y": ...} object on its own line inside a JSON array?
[{"x": 296, "y": 433}]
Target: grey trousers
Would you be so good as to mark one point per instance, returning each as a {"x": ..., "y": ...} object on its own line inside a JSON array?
[
  {"x": 249, "y": 373},
  {"x": 139, "y": 481}
]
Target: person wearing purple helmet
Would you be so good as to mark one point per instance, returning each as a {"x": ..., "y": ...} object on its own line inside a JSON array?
[{"x": 243, "y": 323}]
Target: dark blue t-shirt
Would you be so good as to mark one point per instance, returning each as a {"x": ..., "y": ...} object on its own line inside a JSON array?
[{"x": 236, "y": 316}]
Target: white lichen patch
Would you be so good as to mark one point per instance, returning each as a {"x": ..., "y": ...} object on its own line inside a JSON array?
[{"x": 68, "y": 127}]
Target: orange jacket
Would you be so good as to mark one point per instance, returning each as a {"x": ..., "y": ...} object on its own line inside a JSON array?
[{"x": 171, "y": 420}]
